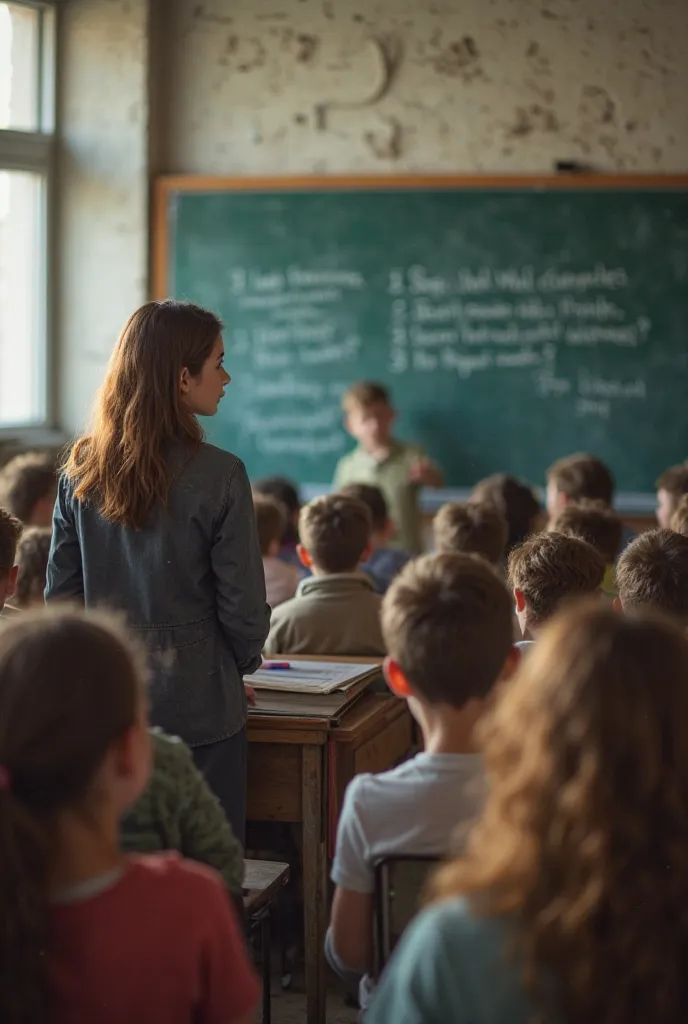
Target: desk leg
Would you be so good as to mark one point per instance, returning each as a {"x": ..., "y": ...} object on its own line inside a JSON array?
[{"x": 314, "y": 865}]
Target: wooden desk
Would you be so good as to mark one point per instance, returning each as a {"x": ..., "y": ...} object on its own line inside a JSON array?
[{"x": 298, "y": 769}]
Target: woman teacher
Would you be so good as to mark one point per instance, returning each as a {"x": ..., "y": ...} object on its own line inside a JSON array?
[{"x": 152, "y": 521}]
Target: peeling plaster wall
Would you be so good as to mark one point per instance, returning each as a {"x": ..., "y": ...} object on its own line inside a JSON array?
[
  {"x": 328, "y": 86},
  {"x": 102, "y": 189},
  {"x": 265, "y": 86}
]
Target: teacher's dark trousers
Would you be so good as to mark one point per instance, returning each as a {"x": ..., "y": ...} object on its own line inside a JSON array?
[{"x": 223, "y": 765}]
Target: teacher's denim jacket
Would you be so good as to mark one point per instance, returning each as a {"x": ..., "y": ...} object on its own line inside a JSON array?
[{"x": 190, "y": 584}]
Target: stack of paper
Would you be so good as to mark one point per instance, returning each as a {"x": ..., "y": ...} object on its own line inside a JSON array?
[{"x": 309, "y": 688}]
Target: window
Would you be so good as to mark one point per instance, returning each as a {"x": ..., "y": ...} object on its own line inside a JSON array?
[{"x": 26, "y": 156}]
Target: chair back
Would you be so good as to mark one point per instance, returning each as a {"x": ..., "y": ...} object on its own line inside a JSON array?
[{"x": 399, "y": 884}]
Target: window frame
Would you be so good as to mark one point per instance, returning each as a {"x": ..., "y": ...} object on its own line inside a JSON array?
[{"x": 34, "y": 152}]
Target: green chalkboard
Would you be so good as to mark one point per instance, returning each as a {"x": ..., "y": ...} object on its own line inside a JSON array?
[{"x": 514, "y": 322}]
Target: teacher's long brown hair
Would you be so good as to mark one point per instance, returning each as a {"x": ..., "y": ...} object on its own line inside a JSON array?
[
  {"x": 583, "y": 843},
  {"x": 120, "y": 466}
]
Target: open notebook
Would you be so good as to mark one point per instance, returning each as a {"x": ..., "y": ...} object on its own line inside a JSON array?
[{"x": 310, "y": 688}]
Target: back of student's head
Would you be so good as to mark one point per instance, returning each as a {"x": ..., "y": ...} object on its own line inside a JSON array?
[
  {"x": 476, "y": 527},
  {"x": 671, "y": 487},
  {"x": 365, "y": 394},
  {"x": 582, "y": 476},
  {"x": 122, "y": 465},
  {"x": 10, "y": 532},
  {"x": 374, "y": 499},
  {"x": 550, "y": 569},
  {"x": 447, "y": 622},
  {"x": 581, "y": 844},
  {"x": 271, "y": 521},
  {"x": 335, "y": 530},
  {"x": 33, "y": 551},
  {"x": 285, "y": 493},
  {"x": 653, "y": 573},
  {"x": 516, "y": 502},
  {"x": 594, "y": 522},
  {"x": 27, "y": 488},
  {"x": 70, "y": 688},
  {"x": 679, "y": 520}
]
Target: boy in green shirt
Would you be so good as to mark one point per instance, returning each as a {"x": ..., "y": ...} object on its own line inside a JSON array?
[{"x": 397, "y": 468}]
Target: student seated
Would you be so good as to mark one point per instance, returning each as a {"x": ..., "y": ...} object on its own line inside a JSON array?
[
  {"x": 679, "y": 520},
  {"x": 600, "y": 526},
  {"x": 177, "y": 811},
  {"x": 397, "y": 468},
  {"x": 447, "y": 625},
  {"x": 281, "y": 578},
  {"x": 10, "y": 532},
  {"x": 477, "y": 528},
  {"x": 545, "y": 572},
  {"x": 517, "y": 503},
  {"x": 336, "y": 611},
  {"x": 284, "y": 492},
  {"x": 384, "y": 563},
  {"x": 671, "y": 486},
  {"x": 90, "y": 934},
  {"x": 653, "y": 573},
  {"x": 32, "y": 560},
  {"x": 28, "y": 487},
  {"x": 569, "y": 904},
  {"x": 577, "y": 478}
]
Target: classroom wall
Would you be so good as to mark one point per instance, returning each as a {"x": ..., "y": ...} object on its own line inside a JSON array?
[{"x": 326, "y": 86}]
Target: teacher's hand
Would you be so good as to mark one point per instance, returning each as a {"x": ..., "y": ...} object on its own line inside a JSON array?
[{"x": 250, "y": 695}]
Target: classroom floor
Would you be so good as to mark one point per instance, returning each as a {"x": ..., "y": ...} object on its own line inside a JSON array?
[{"x": 290, "y": 1007}]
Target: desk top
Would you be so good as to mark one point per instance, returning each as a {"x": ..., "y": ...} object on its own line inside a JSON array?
[
  {"x": 262, "y": 879},
  {"x": 367, "y": 713}
]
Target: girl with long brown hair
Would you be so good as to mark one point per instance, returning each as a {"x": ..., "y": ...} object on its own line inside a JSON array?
[
  {"x": 151, "y": 520},
  {"x": 571, "y": 904},
  {"x": 88, "y": 934}
]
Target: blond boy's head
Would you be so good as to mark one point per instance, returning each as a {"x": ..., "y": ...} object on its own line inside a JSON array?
[
  {"x": 679, "y": 520},
  {"x": 671, "y": 486},
  {"x": 447, "y": 625},
  {"x": 271, "y": 519},
  {"x": 368, "y": 413},
  {"x": 653, "y": 573},
  {"x": 335, "y": 534},
  {"x": 577, "y": 478},
  {"x": 477, "y": 528},
  {"x": 548, "y": 570},
  {"x": 10, "y": 532},
  {"x": 594, "y": 522}
]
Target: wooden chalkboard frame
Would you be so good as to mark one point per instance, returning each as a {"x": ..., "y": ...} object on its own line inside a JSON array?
[{"x": 169, "y": 185}]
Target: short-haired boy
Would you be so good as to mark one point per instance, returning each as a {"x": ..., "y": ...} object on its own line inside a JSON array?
[
  {"x": 28, "y": 487},
  {"x": 10, "y": 532},
  {"x": 576, "y": 478},
  {"x": 600, "y": 526},
  {"x": 671, "y": 486},
  {"x": 447, "y": 625},
  {"x": 384, "y": 563},
  {"x": 397, "y": 468},
  {"x": 281, "y": 578},
  {"x": 477, "y": 528},
  {"x": 335, "y": 611},
  {"x": 679, "y": 520},
  {"x": 653, "y": 573},
  {"x": 546, "y": 571}
]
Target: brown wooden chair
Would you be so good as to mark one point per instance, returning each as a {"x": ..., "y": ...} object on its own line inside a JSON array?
[{"x": 263, "y": 880}]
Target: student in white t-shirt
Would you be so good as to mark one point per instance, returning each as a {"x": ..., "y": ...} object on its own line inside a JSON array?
[
  {"x": 281, "y": 579},
  {"x": 447, "y": 625}
]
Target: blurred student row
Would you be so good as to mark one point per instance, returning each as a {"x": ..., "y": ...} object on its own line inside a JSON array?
[{"x": 568, "y": 869}]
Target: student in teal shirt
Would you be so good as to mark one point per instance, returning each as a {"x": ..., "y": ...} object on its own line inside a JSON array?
[{"x": 569, "y": 906}]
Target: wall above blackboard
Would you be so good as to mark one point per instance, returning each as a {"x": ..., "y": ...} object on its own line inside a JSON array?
[{"x": 515, "y": 319}]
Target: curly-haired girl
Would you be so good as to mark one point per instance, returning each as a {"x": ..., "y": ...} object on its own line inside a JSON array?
[{"x": 571, "y": 904}]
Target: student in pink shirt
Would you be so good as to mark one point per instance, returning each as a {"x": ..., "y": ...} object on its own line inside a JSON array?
[{"x": 88, "y": 933}]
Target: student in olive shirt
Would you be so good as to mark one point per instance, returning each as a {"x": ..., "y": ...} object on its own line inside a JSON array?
[
  {"x": 569, "y": 905},
  {"x": 398, "y": 469}
]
